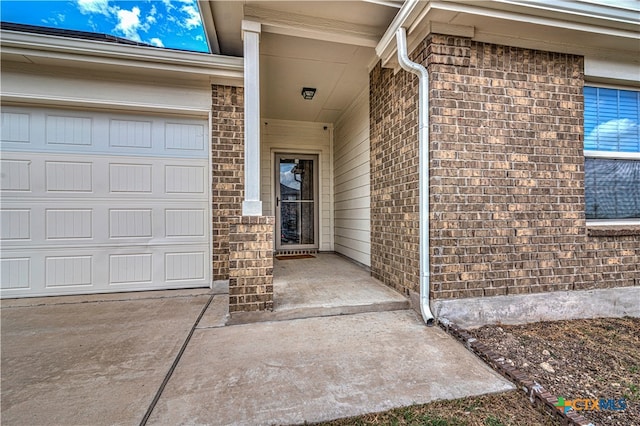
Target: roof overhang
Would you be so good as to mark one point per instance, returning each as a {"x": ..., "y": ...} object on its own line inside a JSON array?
[
  {"x": 598, "y": 29},
  {"x": 21, "y": 47}
]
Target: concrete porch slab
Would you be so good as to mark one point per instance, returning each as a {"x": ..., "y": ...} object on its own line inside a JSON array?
[
  {"x": 90, "y": 360},
  {"x": 318, "y": 369},
  {"x": 325, "y": 285}
]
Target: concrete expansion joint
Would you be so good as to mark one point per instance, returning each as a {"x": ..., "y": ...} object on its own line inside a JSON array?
[
  {"x": 536, "y": 393},
  {"x": 176, "y": 360}
]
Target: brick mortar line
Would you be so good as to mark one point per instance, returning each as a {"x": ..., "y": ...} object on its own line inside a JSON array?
[{"x": 536, "y": 393}]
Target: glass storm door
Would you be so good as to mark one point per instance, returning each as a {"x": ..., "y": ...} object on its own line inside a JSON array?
[{"x": 296, "y": 202}]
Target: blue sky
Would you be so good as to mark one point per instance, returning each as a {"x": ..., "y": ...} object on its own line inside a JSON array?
[{"x": 164, "y": 23}]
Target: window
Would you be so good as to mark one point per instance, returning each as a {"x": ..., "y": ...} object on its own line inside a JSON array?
[{"x": 612, "y": 151}]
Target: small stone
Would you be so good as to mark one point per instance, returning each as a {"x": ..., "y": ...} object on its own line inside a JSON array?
[
  {"x": 500, "y": 329},
  {"x": 547, "y": 367},
  {"x": 615, "y": 385},
  {"x": 525, "y": 364},
  {"x": 546, "y": 353}
]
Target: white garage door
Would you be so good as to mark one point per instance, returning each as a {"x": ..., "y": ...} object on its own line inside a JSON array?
[{"x": 101, "y": 202}]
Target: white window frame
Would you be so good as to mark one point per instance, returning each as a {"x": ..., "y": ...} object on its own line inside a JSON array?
[{"x": 612, "y": 155}]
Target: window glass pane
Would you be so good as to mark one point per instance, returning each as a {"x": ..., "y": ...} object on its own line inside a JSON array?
[
  {"x": 611, "y": 118},
  {"x": 590, "y": 110},
  {"x": 612, "y": 188},
  {"x": 611, "y": 123}
]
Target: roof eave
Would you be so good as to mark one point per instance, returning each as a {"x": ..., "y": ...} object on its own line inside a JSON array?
[
  {"x": 131, "y": 57},
  {"x": 416, "y": 17}
]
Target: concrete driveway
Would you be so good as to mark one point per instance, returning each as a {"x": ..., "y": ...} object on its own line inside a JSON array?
[{"x": 93, "y": 360}]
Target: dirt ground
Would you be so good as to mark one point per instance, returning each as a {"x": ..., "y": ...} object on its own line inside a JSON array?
[{"x": 577, "y": 359}]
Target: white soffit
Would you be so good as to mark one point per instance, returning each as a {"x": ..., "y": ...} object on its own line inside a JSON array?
[
  {"x": 325, "y": 45},
  {"x": 338, "y": 72},
  {"x": 314, "y": 27},
  {"x": 592, "y": 27}
]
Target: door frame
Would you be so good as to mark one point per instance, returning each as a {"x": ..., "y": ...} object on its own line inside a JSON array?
[{"x": 278, "y": 154}]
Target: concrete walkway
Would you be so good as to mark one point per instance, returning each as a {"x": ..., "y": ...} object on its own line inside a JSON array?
[
  {"x": 318, "y": 369},
  {"x": 102, "y": 359}
]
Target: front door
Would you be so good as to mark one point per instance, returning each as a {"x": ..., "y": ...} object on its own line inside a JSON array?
[{"x": 296, "y": 201}]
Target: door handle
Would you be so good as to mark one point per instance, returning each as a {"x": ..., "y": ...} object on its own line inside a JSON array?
[{"x": 277, "y": 201}]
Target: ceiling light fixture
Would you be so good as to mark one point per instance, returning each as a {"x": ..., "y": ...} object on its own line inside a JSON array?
[{"x": 308, "y": 93}]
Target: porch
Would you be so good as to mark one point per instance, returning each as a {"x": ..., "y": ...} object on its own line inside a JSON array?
[{"x": 324, "y": 284}]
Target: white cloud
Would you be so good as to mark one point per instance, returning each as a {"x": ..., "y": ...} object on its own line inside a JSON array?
[
  {"x": 54, "y": 20},
  {"x": 193, "y": 17},
  {"x": 157, "y": 42},
  {"x": 151, "y": 18},
  {"x": 94, "y": 6},
  {"x": 624, "y": 131},
  {"x": 168, "y": 5},
  {"x": 129, "y": 23}
]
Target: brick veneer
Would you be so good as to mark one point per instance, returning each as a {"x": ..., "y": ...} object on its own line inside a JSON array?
[
  {"x": 227, "y": 168},
  {"x": 507, "y": 175},
  {"x": 251, "y": 264},
  {"x": 394, "y": 179}
]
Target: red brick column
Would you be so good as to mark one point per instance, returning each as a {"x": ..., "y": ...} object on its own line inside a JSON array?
[{"x": 251, "y": 264}]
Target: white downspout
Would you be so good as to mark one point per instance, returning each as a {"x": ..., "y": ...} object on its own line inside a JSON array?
[{"x": 423, "y": 164}]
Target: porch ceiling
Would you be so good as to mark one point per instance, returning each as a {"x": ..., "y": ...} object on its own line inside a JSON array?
[{"x": 325, "y": 45}]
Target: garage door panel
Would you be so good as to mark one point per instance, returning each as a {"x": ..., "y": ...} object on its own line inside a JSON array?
[
  {"x": 127, "y": 269},
  {"x": 182, "y": 179},
  {"x": 98, "y": 270},
  {"x": 68, "y": 222},
  {"x": 15, "y": 126},
  {"x": 105, "y": 219},
  {"x": 68, "y": 176},
  {"x": 15, "y": 224},
  {"x": 41, "y": 175},
  {"x": 74, "y": 132},
  {"x": 15, "y": 272},
  {"x": 130, "y": 178},
  {"x": 15, "y": 175}
]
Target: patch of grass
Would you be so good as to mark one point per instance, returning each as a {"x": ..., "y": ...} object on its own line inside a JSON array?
[
  {"x": 428, "y": 420},
  {"x": 634, "y": 392},
  {"x": 504, "y": 409},
  {"x": 493, "y": 421}
]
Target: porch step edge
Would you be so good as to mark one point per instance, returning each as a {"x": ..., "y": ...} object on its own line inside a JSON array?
[{"x": 314, "y": 312}]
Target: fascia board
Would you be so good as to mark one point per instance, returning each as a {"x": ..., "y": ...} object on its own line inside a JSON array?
[
  {"x": 415, "y": 14},
  {"x": 532, "y": 19},
  {"x": 621, "y": 12},
  {"x": 406, "y": 16},
  {"x": 123, "y": 55}
]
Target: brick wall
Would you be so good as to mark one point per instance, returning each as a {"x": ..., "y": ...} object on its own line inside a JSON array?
[
  {"x": 227, "y": 168},
  {"x": 251, "y": 264},
  {"x": 507, "y": 175},
  {"x": 394, "y": 179}
]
